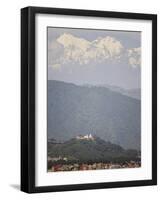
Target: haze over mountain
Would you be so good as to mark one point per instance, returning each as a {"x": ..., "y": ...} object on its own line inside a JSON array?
[
  {"x": 108, "y": 114},
  {"x": 134, "y": 93}
]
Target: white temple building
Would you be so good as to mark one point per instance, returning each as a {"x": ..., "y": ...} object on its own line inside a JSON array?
[{"x": 85, "y": 137}]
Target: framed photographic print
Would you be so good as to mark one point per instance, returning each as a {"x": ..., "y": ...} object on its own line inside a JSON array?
[{"x": 88, "y": 99}]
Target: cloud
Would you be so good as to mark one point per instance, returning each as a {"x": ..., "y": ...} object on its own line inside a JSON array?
[
  {"x": 83, "y": 51},
  {"x": 134, "y": 56},
  {"x": 55, "y": 54},
  {"x": 68, "y": 48},
  {"x": 56, "y": 66}
]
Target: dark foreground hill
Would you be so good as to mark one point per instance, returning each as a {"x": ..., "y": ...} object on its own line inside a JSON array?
[
  {"x": 74, "y": 110},
  {"x": 97, "y": 150}
]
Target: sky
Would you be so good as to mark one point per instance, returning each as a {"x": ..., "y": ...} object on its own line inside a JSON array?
[{"x": 96, "y": 57}]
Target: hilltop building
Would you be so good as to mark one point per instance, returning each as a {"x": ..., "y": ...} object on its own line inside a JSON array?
[{"x": 85, "y": 137}]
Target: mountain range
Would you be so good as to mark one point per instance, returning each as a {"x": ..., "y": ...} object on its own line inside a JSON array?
[{"x": 96, "y": 110}]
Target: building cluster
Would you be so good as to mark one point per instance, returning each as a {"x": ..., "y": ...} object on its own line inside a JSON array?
[
  {"x": 57, "y": 158},
  {"x": 85, "y": 137},
  {"x": 94, "y": 166}
]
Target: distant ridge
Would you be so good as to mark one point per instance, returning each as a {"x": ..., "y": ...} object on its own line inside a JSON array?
[{"x": 134, "y": 92}]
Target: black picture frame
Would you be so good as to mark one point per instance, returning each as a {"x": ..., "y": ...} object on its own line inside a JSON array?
[{"x": 28, "y": 98}]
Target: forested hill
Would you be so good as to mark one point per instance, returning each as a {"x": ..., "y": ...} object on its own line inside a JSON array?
[{"x": 96, "y": 150}]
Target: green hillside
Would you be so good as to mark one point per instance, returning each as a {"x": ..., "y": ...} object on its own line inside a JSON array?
[{"x": 87, "y": 151}]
